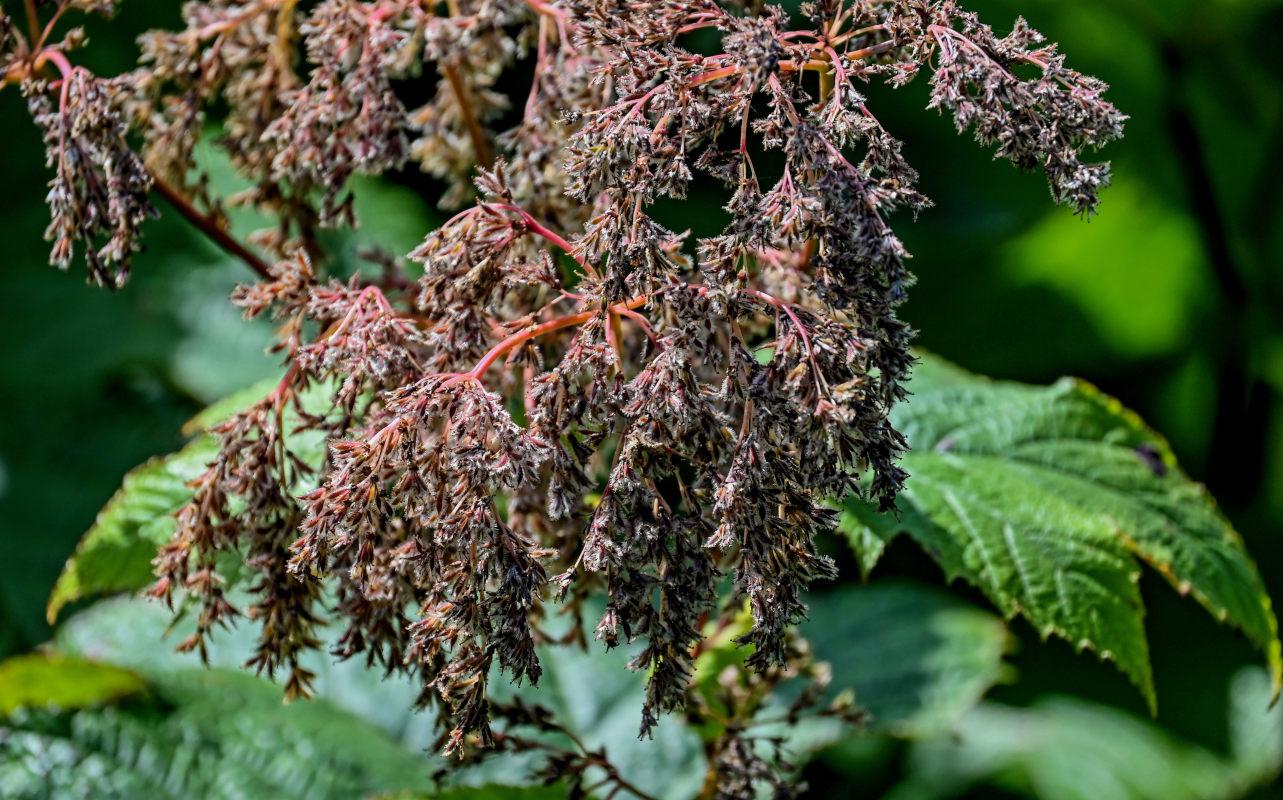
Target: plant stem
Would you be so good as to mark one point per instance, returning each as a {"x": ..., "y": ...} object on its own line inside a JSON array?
[
  {"x": 624, "y": 307},
  {"x": 57, "y": 15},
  {"x": 208, "y": 226},
  {"x": 535, "y": 227},
  {"x": 479, "y": 145},
  {"x": 33, "y": 20}
]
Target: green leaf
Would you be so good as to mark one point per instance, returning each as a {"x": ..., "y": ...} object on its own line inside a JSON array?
[
  {"x": 203, "y": 733},
  {"x": 1045, "y": 497},
  {"x": 593, "y": 693},
  {"x": 1065, "y": 748},
  {"x": 918, "y": 658},
  {"x": 225, "y": 407},
  {"x": 1256, "y": 728},
  {"x": 869, "y": 532},
  {"x": 41, "y": 680},
  {"x": 484, "y": 793},
  {"x": 116, "y": 553}
]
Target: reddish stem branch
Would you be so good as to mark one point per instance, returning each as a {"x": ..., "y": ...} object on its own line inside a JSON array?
[
  {"x": 625, "y": 308},
  {"x": 539, "y": 229},
  {"x": 717, "y": 74},
  {"x": 223, "y": 26},
  {"x": 282, "y": 392},
  {"x": 558, "y": 16},
  {"x": 208, "y": 226},
  {"x": 205, "y": 223},
  {"x": 515, "y": 340},
  {"x": 57, "y": 15},
  {"x": 57, "y": 58},
  {"x": 645, "y": 326},
  {"x": 872, "y": 50},
  {"x": 939, "y": 30},
  {"x": 801, "y": 331}
]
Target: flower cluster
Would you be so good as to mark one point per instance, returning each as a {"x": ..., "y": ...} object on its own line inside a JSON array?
[
  {"x": 1044, "y": 122},
  {"x": 100, "y": 186},
  {"x": 243, "y": 504},
  {"x": 574, "y": 407}
]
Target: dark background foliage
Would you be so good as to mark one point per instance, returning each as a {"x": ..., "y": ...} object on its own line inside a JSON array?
[{"x": 1167, "y": 300}]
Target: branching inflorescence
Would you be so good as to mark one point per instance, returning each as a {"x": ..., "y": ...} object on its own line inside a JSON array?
[{"x": 572, "y": 401}]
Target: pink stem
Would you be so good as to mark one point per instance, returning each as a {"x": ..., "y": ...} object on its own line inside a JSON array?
[
  {"x": 644, "y": 325},
  {"x": 59, "y": 60},
  {"x": 535, "y": 227},
  {"x": 57, "y": 15},
  {"x": 623, "y": 308}
]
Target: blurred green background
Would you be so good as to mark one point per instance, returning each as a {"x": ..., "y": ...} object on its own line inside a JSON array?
[{"x": 1168, "y": 300}]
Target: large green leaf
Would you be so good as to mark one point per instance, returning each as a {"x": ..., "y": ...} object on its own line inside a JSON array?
[
  {"x": 498, "y": 792},
  {"x": 224, "y": 407},
  {"x": 593, "y": 693},
  {"x": 918, "y": 658},
  {"x": 1046, "y": 497},
  {"x": 115, "y": 554},
  {"x": 1065, "y": 748},
  {"x": 198, "y": 733},
  {"x": 42, "y": 680}
]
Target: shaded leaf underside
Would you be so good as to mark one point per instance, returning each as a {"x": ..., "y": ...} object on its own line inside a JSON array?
[
  {"x": 917, "y": 657},
  {"x": 115, "y": 554},
  {"x": 191, "y": 733},
  {"x": 1045, "y": 498}
]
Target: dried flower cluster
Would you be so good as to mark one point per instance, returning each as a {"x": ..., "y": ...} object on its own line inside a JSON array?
[
  {"x": 573, "y": 402},
  {"x": 100, "y": 187}
]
